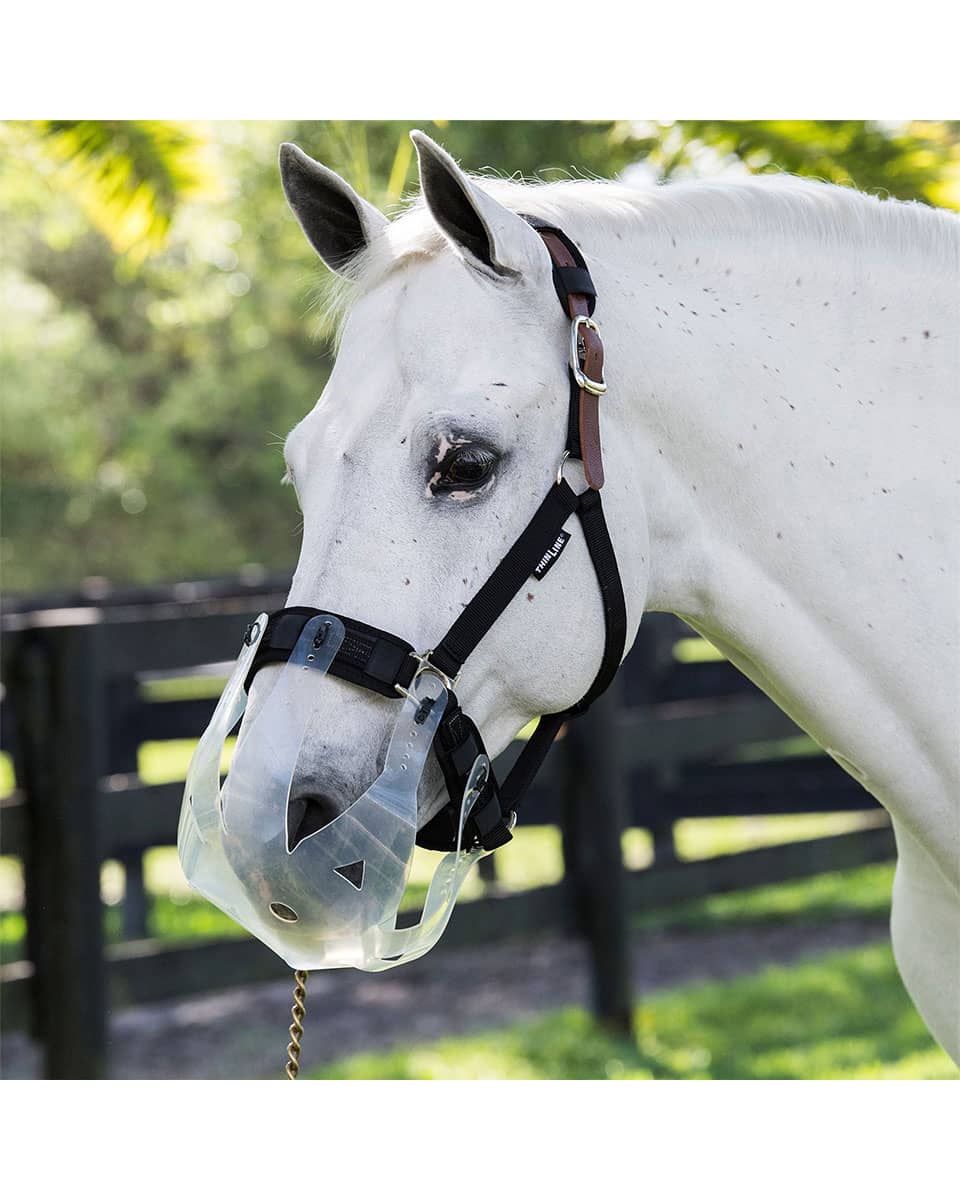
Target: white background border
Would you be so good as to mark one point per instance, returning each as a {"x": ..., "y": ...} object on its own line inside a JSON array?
[{"x": 492, "y": 61}]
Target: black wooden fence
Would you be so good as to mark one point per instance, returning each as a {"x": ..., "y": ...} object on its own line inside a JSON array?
[{"x": 660, "y": 746}]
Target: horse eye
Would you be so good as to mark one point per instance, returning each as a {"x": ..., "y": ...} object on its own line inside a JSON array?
[{"x": 467, "y": 467}]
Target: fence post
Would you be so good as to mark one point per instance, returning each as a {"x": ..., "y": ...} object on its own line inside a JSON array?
[
  {"x": 593, "y": 815},
  {"x": 662, "y": 830},
  {"x": 57, "y": 690},
  {"x": 649, "y": 663},
  {"x": 125, "y": 722},
  {"x": 487, "y": 869}
]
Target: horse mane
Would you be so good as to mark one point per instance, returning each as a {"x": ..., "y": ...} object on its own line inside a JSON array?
[{"x": 781, "y": 209}]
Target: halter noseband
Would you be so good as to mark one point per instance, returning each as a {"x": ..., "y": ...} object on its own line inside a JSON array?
[{"x": 383, "y": 663}]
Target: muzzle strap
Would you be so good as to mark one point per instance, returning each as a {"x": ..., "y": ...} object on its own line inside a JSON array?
[
  {"x": 457, "y": 746},
  {"x": 368, "y": 657}
]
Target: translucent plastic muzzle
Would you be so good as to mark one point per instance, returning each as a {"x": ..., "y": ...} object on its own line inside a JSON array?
[{"x": 332, "y": 900}]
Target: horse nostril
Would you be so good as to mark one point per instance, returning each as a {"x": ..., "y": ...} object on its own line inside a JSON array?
[{"x": 308, "y": 812}]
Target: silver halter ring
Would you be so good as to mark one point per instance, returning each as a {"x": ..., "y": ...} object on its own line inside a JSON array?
[{"x": 427, "y": 666}]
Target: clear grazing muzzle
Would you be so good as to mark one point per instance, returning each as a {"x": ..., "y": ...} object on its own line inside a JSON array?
[{"x": 332, "y": 900}]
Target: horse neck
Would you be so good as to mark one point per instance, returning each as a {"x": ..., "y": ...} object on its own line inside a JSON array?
[{"x": 778, "y": 414}]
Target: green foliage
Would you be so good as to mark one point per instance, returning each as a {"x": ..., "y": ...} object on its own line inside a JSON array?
[
  {"x": 128, "y": 176},
  {"x": 843, "y": 1016},
  {"x": 142, "y": 405},
  {"x": 156, "y": 333},
  {"x": 919, "y": 161}
]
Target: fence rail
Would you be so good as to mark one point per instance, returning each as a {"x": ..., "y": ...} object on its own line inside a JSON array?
[{"x": 664, "y": 744}]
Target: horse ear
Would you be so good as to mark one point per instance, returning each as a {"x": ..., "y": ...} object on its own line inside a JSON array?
[
  {"x": 485, "y": 233},
  {"x": 338, "y": 223}
]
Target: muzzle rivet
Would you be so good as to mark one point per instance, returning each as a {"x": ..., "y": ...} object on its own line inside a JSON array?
[{"x": 283, "y": 912}]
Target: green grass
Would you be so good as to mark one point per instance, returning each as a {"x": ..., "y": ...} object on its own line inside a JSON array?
[
  {"x": 171, "y": 919},
  {"x": 178, "y": 916},
  {"x": 695, "y": 649},
  {"x": 184, "y": 687},
  {"x": 843, "y": 1016},
  {"x": 862, "y": 892}
]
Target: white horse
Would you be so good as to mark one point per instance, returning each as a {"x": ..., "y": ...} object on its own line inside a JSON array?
[{"x": 780, "y": 438}]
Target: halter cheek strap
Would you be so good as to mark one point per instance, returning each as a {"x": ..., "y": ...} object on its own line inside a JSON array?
[
  {"x": 577, "y": 295},
  {"x": 385, "y": 664}
]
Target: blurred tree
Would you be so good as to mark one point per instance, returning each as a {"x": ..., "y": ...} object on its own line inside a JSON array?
[
  {"x": 128, "y": 176},
  {"x": 918, "y": 160},
  {"x": 154, "y": 353}
]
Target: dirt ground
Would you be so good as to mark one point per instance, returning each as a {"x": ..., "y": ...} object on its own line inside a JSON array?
[{"x": 242, "y": 1033}]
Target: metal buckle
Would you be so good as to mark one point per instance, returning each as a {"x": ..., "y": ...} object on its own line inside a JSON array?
[
  {"x": 563, "y": 463},
  {"x": 425, "y": 666},
  {"x": 594, "y": 386}
]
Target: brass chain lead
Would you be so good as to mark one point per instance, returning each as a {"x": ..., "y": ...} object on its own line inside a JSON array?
[{"x": 298, "y": 1012}]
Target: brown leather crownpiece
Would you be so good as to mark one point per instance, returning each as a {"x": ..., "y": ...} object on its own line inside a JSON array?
[{"x": 591, "y": 364}]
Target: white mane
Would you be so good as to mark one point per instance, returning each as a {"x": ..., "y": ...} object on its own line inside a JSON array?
[{"x": 783, "y": 209}]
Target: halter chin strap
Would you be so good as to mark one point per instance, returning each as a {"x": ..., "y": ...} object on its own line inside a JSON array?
[{"x": 385, "y": 664}]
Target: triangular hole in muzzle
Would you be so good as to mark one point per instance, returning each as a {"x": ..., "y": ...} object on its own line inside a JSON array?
[{"x": 352, "y": 873}]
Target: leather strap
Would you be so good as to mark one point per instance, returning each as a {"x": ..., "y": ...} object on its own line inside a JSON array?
[{"x": 578, "y": 296}]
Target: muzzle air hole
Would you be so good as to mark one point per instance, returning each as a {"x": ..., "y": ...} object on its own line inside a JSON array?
[
  {"x": 308, "y": 813},
  {"x": 352, "y": 873},
  {"x": 283, "y": 912}
]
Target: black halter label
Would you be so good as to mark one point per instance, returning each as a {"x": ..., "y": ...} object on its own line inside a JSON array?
[{"x": 551, "y": 556}]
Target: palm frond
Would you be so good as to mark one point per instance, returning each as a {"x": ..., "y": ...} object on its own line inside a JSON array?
[{"x": 129, "y": 176}]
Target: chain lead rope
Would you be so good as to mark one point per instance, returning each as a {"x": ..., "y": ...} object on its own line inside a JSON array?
[{"x": 298, "y": 1012}]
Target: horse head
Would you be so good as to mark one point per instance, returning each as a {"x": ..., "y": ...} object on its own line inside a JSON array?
[{"x": 442, "y": 424}]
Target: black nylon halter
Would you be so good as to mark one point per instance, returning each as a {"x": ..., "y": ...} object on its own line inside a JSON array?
[{"x": 382, "y": 663}]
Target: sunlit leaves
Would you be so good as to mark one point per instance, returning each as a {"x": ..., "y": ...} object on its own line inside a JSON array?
[
  {"x": 130, "y": 176},
  {"x": 917, "y": 160}
]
